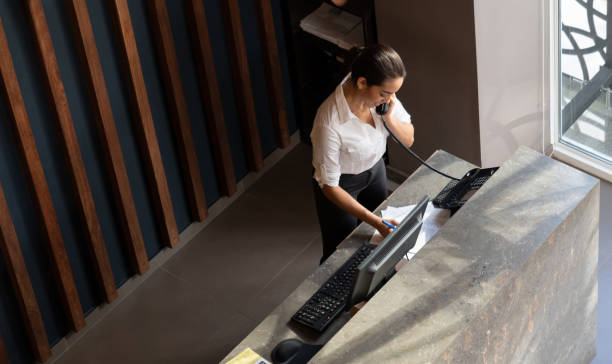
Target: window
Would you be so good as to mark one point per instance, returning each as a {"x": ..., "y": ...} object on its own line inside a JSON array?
[{"x": 584, "y": 77}]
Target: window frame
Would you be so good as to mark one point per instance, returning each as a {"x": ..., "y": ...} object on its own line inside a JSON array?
[{"x": 556, "y": 148}]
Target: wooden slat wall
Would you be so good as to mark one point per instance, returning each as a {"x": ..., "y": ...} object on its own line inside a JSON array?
[
  {"x": 20, "y": 278},
  {"x": 211, "y": 99},
  {"x": 3, "y": 354},
  {"x": 110, "y": 144},
  {"x": 109, "y": 139},
  {"x": 41, "y": 195},
  {"x": 72, "y": 151},
  {"x": 242, "y": 84},
  {"x": 276, "y": 94},
  {"x": 144, "y": 123},
  {"x": 175, "y": 98}
]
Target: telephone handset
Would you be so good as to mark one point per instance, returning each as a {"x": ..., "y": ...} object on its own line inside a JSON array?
[{"x": 382, "y": 109}]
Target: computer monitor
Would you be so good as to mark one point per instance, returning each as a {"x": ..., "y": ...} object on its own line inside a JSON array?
[{"x": 377, "y": 267}]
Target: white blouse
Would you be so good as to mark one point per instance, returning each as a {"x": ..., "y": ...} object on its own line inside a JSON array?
[{"x": 342, "y": 143}]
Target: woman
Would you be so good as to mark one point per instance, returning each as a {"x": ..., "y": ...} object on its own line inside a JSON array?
[{"x": 349, "y": 140}]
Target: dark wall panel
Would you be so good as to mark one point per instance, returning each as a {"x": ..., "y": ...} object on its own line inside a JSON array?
[
  {"x": 442, "y": 34},
  {"x": 120, "y": 103},
  {"x": 159, "y": 111},
  {"x": 19, "y": 199},
  {"x": 218, "y": 40},
  {"x": 12, "y": 330},
  {"x": 35, "y": 257},
  {"x": 258, "y": 76},
  {"x": 75, "y": 86},
  {"x": 281, "y": 40},
  {"x": 78, "y": 110},
  {"x": 189, "y": 78}
]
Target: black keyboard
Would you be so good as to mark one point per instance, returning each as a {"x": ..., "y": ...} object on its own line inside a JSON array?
[{"x": 330, "y": 300}]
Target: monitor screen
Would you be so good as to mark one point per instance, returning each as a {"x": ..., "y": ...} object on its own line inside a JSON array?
[{"x": 380, "y": 264}]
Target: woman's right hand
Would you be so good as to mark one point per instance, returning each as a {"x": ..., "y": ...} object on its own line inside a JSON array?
[
  {"x": 385, "y": 230},
  {"x": 348, "y": 203}
]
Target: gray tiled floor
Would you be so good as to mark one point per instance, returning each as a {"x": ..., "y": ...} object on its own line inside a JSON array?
[
  {"x": 214, "y": 291},
  {"x": 219, "y": 286}
]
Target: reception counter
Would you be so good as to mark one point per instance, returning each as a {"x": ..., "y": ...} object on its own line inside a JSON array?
[{"x": 510, "y": 278}]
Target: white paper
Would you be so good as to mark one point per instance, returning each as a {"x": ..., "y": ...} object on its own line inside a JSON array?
[{"x": 433, "y": 219}]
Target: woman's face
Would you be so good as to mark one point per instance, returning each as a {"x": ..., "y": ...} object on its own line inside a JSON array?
[{"x": 379, "y": 94}]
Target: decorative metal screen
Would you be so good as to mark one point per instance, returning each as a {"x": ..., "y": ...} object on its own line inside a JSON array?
[{"x": 585, "y": 76}]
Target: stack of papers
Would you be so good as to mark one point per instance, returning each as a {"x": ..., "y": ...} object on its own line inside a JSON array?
[
  {"x": 433, "y": 219},
  {"x": 334, "y": 25}
]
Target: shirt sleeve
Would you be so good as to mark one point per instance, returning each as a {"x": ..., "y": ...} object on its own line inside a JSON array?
[
  {"x": 400, "y": 113},
  {"x": 325, "y": 155}
]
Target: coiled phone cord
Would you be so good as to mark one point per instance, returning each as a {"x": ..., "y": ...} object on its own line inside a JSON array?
[{"x": 413, "y": 153}]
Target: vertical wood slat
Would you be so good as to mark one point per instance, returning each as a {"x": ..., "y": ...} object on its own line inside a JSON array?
[
  {"x": 242, "y": 84},
  {"x": 3, "y": 354},
  {"x": 20, "y": 278},
  {"x": 211, "y": 99},
  {"x": 72, "y": 151},
  {"x": 109, "y": 138},
  {"x": 36, "y": 177},
  {"x": 144, "y": 122},
  {"x": 276, "y": 95},
  {"x": 169, "y": 67}
]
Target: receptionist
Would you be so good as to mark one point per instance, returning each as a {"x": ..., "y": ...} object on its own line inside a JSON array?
[{"x": 349, "y": 140}]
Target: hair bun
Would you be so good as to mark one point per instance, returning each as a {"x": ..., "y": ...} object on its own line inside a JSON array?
[{"x": 376, "y": 63}]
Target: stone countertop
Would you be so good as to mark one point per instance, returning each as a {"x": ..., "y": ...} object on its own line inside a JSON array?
[{"x": 430, "y": 302}]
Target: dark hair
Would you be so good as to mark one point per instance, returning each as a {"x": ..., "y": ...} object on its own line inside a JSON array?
[{"x": 376, "y": 63}]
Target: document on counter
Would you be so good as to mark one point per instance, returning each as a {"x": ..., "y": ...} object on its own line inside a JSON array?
[
  {"x": 433, "y": 219},
  {"x": 248, "y": 356}
]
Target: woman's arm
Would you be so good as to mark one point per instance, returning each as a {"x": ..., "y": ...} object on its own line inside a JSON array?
[
  {"x": 346, "y": 202},
  {"x": 404, "y": 131}
]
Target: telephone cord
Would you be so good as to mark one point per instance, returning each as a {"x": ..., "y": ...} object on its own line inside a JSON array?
[{"x": 414, "y": 154}]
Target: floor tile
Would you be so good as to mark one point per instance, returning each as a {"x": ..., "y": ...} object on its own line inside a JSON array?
[
  {"x": 285, "y": 282},
  {"x": 293, "y": 173},
  {"x": 236, "y": 256},
  {"x": 254, "y": 238},
  {"x": 166, "y": 320},
  {"x": 287, "y": 190},
  {"x": 225, "y": 339}
]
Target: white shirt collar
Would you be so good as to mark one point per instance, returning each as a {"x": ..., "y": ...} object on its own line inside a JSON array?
[{"x": 344, "y": 111}]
